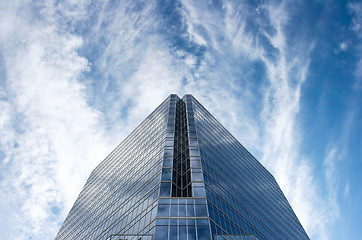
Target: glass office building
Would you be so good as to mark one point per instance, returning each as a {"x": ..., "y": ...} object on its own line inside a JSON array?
[{"x": 181, "y": 175}]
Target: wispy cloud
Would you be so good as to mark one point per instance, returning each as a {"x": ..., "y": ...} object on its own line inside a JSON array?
[
  {"x": 285, "y": 69},
  {"x": 51, "y": 138},
  {"x": 333, "y": 156},
  {"x": 134, "y": 70},
  {"x": 347, "y": 190},
  {"x": 54, "y": 138},
  {"x": 220, "y": 80},
  {"x": 355, "y": 9}
]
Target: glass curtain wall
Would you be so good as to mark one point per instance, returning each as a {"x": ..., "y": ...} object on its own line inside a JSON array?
[
  {"x": 180, "y": 175},
  {"x": 182, "y": 210},
  {"x": 243, "y": 197},
  {"x": 121, "y": 194}
]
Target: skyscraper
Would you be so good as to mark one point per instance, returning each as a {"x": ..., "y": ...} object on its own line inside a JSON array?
[{"x": 181, "y": 175}]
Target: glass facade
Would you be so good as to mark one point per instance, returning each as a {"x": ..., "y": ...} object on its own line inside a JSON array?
[
  {"x": 243, "y": 198},
  {"x": 181, "y": 175}
]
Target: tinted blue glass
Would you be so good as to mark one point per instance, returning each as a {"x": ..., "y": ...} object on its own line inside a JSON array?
[
  {"x": 244, "y": 196},
  {"x": 174, "y": 210},
  {"x": 161, "y": 232},
  {"x": 166, "y": 175},
  {"x": 199, "y": 191},
  {"x": 165, "y": 190},
  {"x": 182, "y": 210},
  {"x": 201, "y": 210},
  {"x": 182, "y": 232},
  {"x": 173, "y": 232},
  {"x": 121, "y": 193},
  {"x": 167, "y": 163},
  {"x": 190, "y": 210},
  {"x": 182, "y": 221},
  {"x": 163, "y": 221},
  {"x": 164, "y": 171},
  {"x": 196, "y": 164},
  {"x": 203, "y": 233},
  {"x": 197, "y": 176},
  {"x": 191, "y": 234},
  {"x": 163, "y": 210}
]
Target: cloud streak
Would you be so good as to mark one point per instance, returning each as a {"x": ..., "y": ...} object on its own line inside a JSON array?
[
  {"x": 52, "y": 137},
  {"x": 285, "y": 69}
]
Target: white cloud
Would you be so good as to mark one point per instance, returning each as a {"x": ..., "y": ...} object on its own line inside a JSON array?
[
  {"x": 58, "y": 137},
  {"x": 355, "y": 9},
  {"x": 53, "y": 139},
  {"x": 156, "y": 77},
  {"x": 278, "y": 130},
  {"x": 330, "y": 165},
  {"x": 278, "y": 133},
  {"x": 286, "y": 74},
  {"x": 190, "y": 61},
  {"x": 347, "y": 191},
  {"x": 344, "y": 45},
  {"x": 213, "y": 81},
  {"x": 192, "y": 21}
]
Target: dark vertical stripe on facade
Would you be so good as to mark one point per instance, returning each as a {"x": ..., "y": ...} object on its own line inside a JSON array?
[{"x": 181, "y": 177}]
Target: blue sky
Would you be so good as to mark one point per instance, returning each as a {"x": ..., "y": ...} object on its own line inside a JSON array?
[{"x": 285, "y": 77}]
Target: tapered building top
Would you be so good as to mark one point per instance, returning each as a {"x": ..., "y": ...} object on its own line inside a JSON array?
[{"x": 181, "y": 175}]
